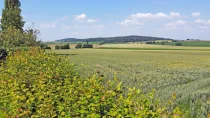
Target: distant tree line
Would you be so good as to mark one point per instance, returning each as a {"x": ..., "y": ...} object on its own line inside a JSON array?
[{"x": 123, "y": 39}]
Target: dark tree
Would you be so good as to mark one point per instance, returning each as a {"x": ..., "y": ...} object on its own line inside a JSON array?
[
  {"x": 11, "y": 15},
  {"x": 79, "y": 45}
]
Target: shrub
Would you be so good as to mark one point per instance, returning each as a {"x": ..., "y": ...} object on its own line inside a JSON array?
[
  {"x": 44, "y": 46},
  {"x": 65, "y": 46},
  {"x": 12, "y": 37},
  {"x": 47, "y": 47},
  {"x": 57, "y": 47},
  {"x": 36, "y": 84},
  {"x": 87, "y": 46},
  {"x": 79, "y": 45},
  {"x": 178, "y": 44}
]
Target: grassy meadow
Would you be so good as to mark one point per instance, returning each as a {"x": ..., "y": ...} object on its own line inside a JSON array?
[{"x": 184, "y": 71}]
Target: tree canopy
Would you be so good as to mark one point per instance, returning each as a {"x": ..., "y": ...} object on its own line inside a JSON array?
[{"x": 11, "y": 15}]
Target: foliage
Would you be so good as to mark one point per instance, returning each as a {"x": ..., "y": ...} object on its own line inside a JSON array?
[
  {"x": 36, "y": 84},
  {"x": 87, "y": 46},
  {"x": 79, "y": 45},
  {"x": 57, "y": 47},
  {"x": 66, "y": 46},
  {"x": 150, "y": 42},
  {"x": 11, "y": 15},
  {"x": 13, "y": 37},
  {"x": 44, "y": 46},
  {"x": 12, "y": 34},
  {"x": 122, "y": 39},
  {"x": 178, "y": 44}
]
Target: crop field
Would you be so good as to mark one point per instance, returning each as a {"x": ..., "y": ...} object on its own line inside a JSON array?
[
  {"x": 139, "y": 46},
  {"x": 192, "y": 43},
  {"x": 185, "y": 73}
]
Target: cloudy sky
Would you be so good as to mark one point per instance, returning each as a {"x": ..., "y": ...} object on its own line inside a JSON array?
[{"x": 178, "y": 19}]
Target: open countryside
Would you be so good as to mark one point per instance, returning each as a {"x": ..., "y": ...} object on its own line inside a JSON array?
[{"x": 92, "y": 66}]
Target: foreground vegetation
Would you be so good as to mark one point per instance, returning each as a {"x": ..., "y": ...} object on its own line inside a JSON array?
[
  {"x": 183, "y": 72},
  {"x": 34, "y": 84}
]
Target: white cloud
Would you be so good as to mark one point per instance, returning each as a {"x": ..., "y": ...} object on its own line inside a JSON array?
[
  {"x": 161, "y": 15},
  {"x": 154, "y": 16},
  {"x": 91, "y": 21},
  {"x": 176, "y": 23},
  {"x": 0, "y": 17},
  {"x": 130, "y": 22},
  {"x": 80, "y": 17},
  {"x": 173, "y": 14},
  {"x": 195, "y": 14},
  {"x": 200, "y": 21}
]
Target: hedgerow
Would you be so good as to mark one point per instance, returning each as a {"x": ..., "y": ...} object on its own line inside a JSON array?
[{"x": 36, "y": 84}]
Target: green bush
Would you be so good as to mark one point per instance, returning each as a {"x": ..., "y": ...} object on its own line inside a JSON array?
[
  {"x": 57, "y": 47},
  {"x": 36, "y": 84},
  {"x": 65, "y": 46},
  {"x": 12, "y": 37},
  {"x": 62, "y": 47},
  {"x": 178, "y": 44},
  {"x": 79, "y": 45},
  {"x": 87, "y": 46},
  {"x": 45, "y": 46}
]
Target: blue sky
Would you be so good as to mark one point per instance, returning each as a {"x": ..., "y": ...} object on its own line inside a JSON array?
[{"x": 57, "y": 19}]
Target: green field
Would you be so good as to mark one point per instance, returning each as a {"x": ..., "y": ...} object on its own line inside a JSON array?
[
  {"x": 168, "y": 69},
  {"x": 191, "y": 43}
]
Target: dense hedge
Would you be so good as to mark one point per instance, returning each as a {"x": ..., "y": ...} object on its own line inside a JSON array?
[
  {"x": 35, "y": 84},
  {"x": 66, "y": 46},
  {"x": 178, "y": 44},
  {"x": 79, "y": 45},
  {"x": 87, "y": 46}
]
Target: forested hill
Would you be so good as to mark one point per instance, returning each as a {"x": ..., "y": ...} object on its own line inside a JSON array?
[{"x": 121, "y": 39}]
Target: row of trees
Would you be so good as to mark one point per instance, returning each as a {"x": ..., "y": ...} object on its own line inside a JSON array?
[
  {"x": 163, "y": 43},
  {"x": 12, "y": 33},
  {"x": 67, "y": 46}
]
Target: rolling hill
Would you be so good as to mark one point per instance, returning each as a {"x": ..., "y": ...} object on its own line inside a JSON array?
[{"x": 120, "y": 39}]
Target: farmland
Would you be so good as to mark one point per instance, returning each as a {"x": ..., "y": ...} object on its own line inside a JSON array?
[
  {"x": 190, "y": 43},
  {"x": 181, "y": 70}
]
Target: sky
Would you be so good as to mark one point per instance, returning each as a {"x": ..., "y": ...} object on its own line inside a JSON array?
[{"x": 58, "y": 19}]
